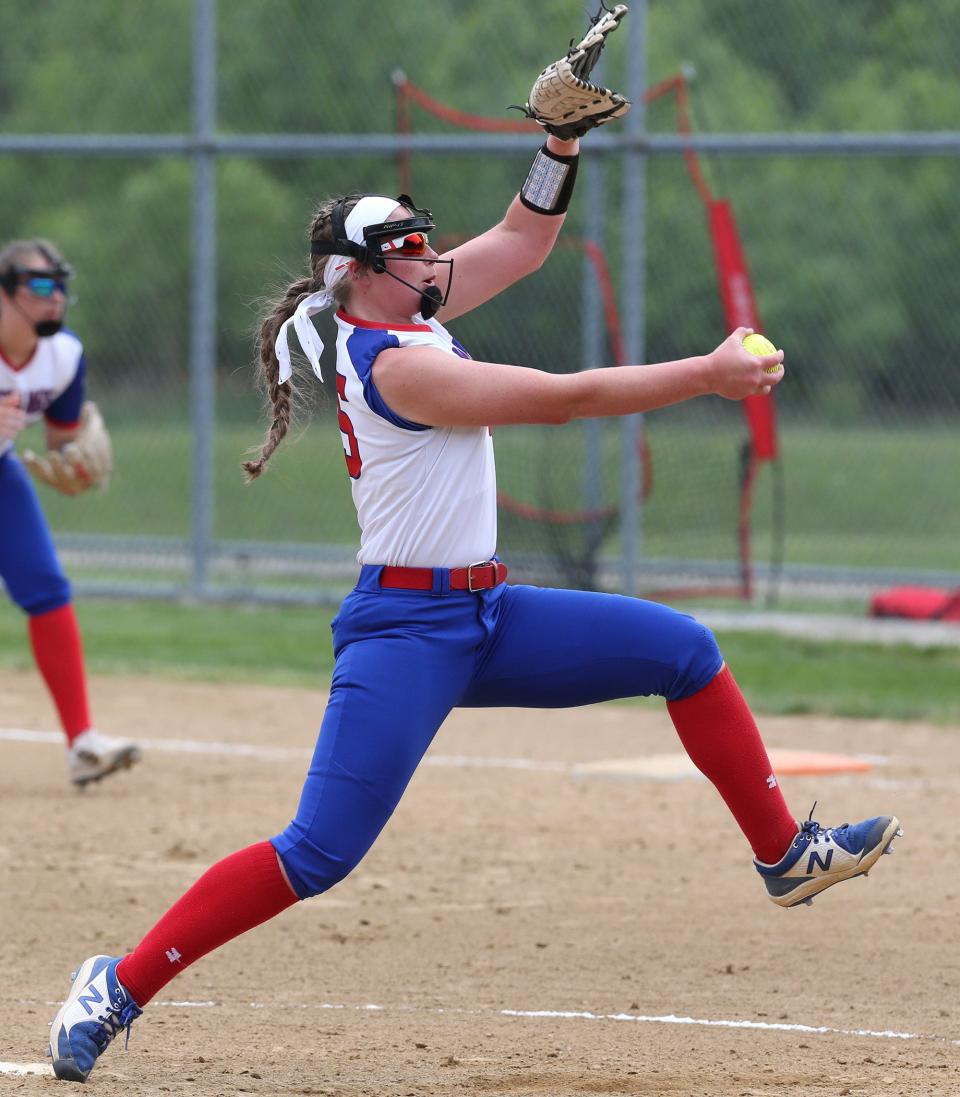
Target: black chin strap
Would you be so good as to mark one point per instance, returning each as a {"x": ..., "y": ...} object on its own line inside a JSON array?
[{"x": 432, "y": 298}]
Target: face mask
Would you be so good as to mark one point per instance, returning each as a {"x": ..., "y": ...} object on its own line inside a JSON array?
[{"x": 45, "y": 328}]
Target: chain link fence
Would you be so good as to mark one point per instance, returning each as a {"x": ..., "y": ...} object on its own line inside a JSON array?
[{"x": 175, "y": 151}]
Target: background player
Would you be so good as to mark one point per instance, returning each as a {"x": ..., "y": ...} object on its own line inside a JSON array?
[
  {"x": 426, "y": 629},
  {"x": 42, "y": 372}
]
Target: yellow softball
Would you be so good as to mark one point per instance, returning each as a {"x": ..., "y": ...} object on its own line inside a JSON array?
[{"x": 760, "y": 344}]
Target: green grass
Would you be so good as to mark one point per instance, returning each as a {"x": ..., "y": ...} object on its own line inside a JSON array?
[
  {"x": 788, "y": 676},
  {"x": 305, "y": 497},
  {"x": 209, "y": 642},
  {"x": 855, "y": 496},
  {"x": 292, "y": 646},
  {"x": 858, "y": 496}
]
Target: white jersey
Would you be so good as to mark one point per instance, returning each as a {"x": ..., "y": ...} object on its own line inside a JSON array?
[
  {"x": 425, "y": 496},
  {"x": 50, "y": 383}
]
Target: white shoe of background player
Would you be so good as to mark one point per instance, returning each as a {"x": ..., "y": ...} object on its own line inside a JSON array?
[{"x": 93, "y": 755}]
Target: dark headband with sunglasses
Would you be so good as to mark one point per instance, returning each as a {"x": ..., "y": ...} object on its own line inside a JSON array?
[{"x": 41, "y": 283}]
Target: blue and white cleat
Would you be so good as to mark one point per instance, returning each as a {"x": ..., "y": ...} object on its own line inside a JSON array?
[
  {"x": 97, "y": 1009},
  {"x": 820, "y": 857}
]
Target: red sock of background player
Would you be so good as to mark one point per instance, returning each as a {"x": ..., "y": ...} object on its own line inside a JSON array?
[
  {"x": 719, "y": 733},
  {"x": 236, "y": 894},
  {"x": 58, "y": 650}
]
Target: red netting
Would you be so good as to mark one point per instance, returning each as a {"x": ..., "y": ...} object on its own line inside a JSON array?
[{"x": 735, "y": 291}]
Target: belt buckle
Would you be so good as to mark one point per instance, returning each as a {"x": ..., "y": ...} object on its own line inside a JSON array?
[{"x": 479, "y": 564}]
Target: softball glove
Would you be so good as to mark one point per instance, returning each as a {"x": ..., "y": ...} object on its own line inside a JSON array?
[
  {"x": 563, "y": 100},
  {"x": 84, "y": 463}
]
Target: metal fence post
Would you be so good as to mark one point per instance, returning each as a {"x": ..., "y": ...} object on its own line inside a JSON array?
[
  {"x": 634, "y": 237},
  {"x": 203, "y": 288},
  {"x": 592, "y": 329}
]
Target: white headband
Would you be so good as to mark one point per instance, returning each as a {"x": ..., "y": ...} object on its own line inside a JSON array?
[{"x": 371, "y": 210}]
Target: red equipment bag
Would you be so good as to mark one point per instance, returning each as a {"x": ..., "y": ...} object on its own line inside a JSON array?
[{"x": 917, "y": 603}]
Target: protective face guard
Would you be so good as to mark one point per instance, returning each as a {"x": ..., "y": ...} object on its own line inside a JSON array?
[{"x": 382, "y": 239}]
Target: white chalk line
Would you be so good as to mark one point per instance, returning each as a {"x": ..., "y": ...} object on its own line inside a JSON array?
[
  {"x": 533, "y": 1014},
  {"x": 450, "y": 761},
  {"x": 252, "y": 750},
  {"x": 20, "y": 1070}
]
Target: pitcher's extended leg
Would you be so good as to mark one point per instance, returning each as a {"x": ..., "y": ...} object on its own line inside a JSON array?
[
  {"x": 232, "y": 896},
  {"x": 388, "y": 697},
  {"x": 719, "y": 733},
  {"x": 567, "y": 647}
]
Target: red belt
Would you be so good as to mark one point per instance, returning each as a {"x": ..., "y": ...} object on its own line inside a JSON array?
[{"x": 482, "y": 576}]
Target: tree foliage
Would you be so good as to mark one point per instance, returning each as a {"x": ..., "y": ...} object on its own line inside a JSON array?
[{"x": 853, "y": 257}]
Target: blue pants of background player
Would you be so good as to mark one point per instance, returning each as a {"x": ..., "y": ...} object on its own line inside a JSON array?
[
  {"x": 28, "y": 560},
  {"x": 404, "y": 659}
]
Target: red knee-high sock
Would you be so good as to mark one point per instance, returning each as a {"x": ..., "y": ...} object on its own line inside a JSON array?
[
  {"x": 58, "y": 650},
  {"x": 719, "y": 733},
  {"x": 236, "y": 894}
]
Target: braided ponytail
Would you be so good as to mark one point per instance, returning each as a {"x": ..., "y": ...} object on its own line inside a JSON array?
[{"x": 280, "y": 398}]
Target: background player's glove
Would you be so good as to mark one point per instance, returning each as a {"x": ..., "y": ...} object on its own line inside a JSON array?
[
  {"x": 563, "y": 100},
  {"x": 85, "y": 462}
]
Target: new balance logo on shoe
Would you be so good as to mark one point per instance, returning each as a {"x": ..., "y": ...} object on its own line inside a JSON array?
[
  {"x": 172, "y": 955},
  {"x": 92, "y": 998},
  {"x": 816, "y": 859}
]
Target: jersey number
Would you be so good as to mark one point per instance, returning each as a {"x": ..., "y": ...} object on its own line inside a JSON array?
[{"x": 351, "y": 451}]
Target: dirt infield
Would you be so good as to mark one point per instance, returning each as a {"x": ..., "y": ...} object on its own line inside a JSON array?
[{"x": 520, "y": 927}]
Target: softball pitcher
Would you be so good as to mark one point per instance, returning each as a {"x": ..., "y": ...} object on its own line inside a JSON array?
[
  {"x": 42, "y": 371},
  {"x": 432, "y": 623}
]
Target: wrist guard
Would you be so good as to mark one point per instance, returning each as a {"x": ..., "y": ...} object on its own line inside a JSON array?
[{"x": 549, "y": 185}]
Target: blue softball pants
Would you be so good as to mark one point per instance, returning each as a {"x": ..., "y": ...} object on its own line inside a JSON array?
[
  {"x": 404, "y": 659},
  {"x": 29, "y": 566}
]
